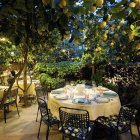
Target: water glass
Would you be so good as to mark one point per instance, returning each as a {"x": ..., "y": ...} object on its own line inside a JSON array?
[
  {"x": 93, "y": 84},
  {"x": 71, "y": 95}
]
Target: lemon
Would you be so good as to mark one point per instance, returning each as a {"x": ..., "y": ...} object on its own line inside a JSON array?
[
  {"x": 99, "y": 2},
  {"x": 108, "y": 17},
  {"x": 121, "y": 24},
  {"x": 76, "y": 130},
  {"x": 67, "y": 32},
  {"x": 104, "y": 37},
  {"x": 93, "y": 8},
  {"x": 138, "y": 46},
  {"x": 106, "y": 31},
  {"x": 118, "y": 27},
  {"x": 132, "y": 4},
  {"x": 65, "y": 10},
  {"x": 67, "y": 35},
  {"x": 123, "y": 32},
  {"x": 113, "y": 25},
  {"x": 112, "y": 29},
  {"x": 73, "y": 134},
  {"x": 116, "y": 36},
  {"x": 112, "y": 44},
  {"x": 131, "y": 36},
  {"x": 63, "y": 3},
  {"x": 102, "y": 24},
  {"x": 69, "y": 14},
  {"x": 98, "y": 49},
  {"x": 76, "y": 41},
  {"x": 66, "y": 131}
]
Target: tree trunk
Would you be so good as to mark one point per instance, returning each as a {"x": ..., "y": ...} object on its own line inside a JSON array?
[
  {"x": 25, "y": 83},
  {"x": 25, "y": 86},
  {"x": 10, "y": 87},
  {"x": 93, "y": 67}
]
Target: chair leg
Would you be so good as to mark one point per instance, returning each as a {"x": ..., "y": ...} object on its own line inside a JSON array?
[
  {"x": 63, "y": 137},
  {"x": 47, "y": 135},
  {"x": 4, "y": 112},
  {"x": 117, "y": 136},
  {"x": 39, "y": 129},
  {"x": 17, "y": 109},
  {"x": 37, "y": 113},
  {"x": 131, "y": 133},
  {"x": 58, "y": 125},
  {"x": 138, "y": 129}
]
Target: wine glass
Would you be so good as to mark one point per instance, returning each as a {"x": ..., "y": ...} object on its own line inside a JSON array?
[
  {"x": 71, "y": 95},
  {"x": 93, "y": 84}
]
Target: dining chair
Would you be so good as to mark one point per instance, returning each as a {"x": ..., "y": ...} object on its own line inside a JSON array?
[
  {"x": 40, "y": 93},
  {"x": 137, "y": 120},
  {"x": 11, "y": 99},
  {"x": 120, "y": 123},
  {"x": 75, "y": 123},
  {"x": 46, "y": 117}
]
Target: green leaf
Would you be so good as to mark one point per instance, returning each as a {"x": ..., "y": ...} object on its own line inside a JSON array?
[
  {"x": 112, "y": 1},
  {"x": 117, "y": 9},
  {"x": 132, "y": 27}
]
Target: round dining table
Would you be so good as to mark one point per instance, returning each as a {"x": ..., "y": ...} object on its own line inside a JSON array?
[
  {"x": 2, "y": 88},
  {"x": 31, "y": 89},
  {"x": 109, "y": 105}
]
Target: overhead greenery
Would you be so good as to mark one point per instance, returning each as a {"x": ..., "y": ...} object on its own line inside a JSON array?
[{"x": 38, "y": 25}]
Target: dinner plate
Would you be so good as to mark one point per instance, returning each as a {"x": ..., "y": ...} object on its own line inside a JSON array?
[
  {"x": 102, "y": 88},
  {"x": 110, "y": 93},
  {"x": 81, "y": 101},
  {"x": 57, "y": 91},
  {"x": 61, "y": 97},
  {"x": 102, "y": 100}
]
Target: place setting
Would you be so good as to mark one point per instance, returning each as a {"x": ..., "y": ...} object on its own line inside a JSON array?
[
  {"x": 81, "y": 101},
  {"x": 105, "y": 95},
  {"x": 61, "y": 97}
]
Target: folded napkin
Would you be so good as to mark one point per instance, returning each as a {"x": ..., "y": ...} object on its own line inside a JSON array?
[
  {"x": 102, "y": 100},
  {"x": 57, "y": 91}
]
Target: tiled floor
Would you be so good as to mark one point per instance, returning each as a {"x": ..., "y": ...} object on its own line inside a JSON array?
[{"x": 25, "y": 127}]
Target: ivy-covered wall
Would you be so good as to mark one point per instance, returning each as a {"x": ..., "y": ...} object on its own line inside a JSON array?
[
  {"x": 55, "y": 75},
  {"x": 126, "y": 78}
]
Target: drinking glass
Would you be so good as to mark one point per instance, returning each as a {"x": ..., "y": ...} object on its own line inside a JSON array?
[
  {"x": 93, "y": 84},
  {"x": 71, "y": 95}
]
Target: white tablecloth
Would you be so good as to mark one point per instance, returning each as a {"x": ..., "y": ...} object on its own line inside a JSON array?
[
  {"x": 2, "y": 88},
  {"x": 31, "y": 89},
  {"x": 4, "y": 79},
  {"x": 95, "y": 109}
]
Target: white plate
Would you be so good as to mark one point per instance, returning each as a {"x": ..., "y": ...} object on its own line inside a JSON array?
[
  {"x": 102, "y": 88},
  {"x": 81, "y": 101},
  {"x": 61, "y": 97},
  {"x": 102, "y": 100},
  {"x": 57, "y": 91},
  {"x": 110, "y": 93}
]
